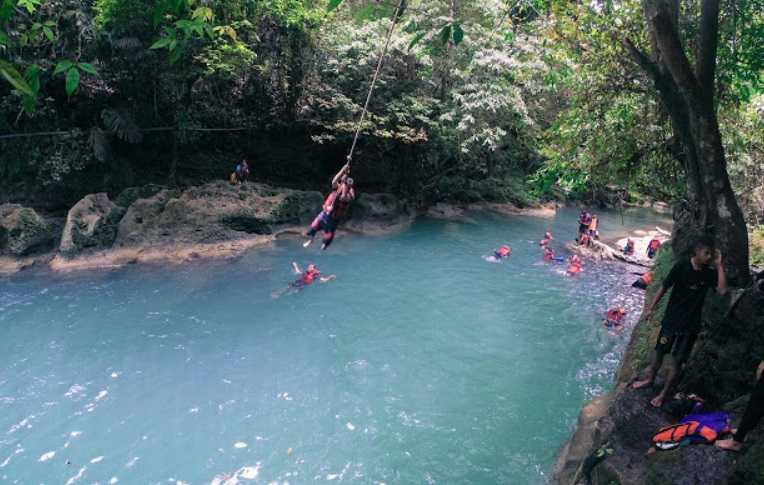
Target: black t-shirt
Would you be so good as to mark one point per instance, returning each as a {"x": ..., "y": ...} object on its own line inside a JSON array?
[{"x": 686, "y": 301}]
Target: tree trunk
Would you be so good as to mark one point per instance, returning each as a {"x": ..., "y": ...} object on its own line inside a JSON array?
[{"x": 711, "y": 207}]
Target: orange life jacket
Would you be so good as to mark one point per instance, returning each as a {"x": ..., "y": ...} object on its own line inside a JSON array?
[
  {"x": 647, "y": 277},
  {"x": 677, "y": 432}
]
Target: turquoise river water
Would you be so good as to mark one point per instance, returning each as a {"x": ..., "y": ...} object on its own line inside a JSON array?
[{"x": 420, "y": 363}]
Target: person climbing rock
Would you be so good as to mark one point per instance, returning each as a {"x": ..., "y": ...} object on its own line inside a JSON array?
[
  {"x": 690, "y": 279},
  {"x": 751, "y": 416},
  {"x": 644, "y": 281},
  {"x": 334, "y": 209}
]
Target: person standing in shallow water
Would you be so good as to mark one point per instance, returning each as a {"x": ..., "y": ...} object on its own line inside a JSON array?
[
  {"x": 690, "y": 280},
  {"x": 751, "y": 417}
]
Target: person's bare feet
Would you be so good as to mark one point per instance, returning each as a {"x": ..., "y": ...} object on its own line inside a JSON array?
[
  {"x": 642, "y": 384},
  {"x": 729, "y": 445},
  {"x": 657, "y": 401}
]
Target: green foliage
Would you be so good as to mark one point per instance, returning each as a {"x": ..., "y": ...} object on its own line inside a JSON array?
[{"x": 756, "y": 243}]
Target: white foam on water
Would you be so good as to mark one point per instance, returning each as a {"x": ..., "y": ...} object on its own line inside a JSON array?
[
  {"x": 74, "y": 434},
  {"x": 114, "y": 375},
  {"x": 101, "y": 395},
  {"x": 75, "y": 390},
  {"x": 18, "y": 450},
  {"x": 96, "y": 459},
  {"x": 113, "y": 480},
  {"x": 250, "y": 472},
  {"x": 77, "y": 476},
  {"x": 193, "y": 410},
  {"x": 226, "y": 381},
  {"x": 47, "y": 456},
  {"x": 240, "y": 444},
  {"x": 350, "y": 426},
  {"x": 24, "y": 422},
  {"x": 132, "y": 462}
]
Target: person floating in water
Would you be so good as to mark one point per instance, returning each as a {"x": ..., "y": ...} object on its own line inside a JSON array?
[
  {"x": 628, "y": 250},
  {"x": 575, "y": 265},
  {"x": 548, "y": 253},
  {"x": 690, "y": 279},
  {"x": 652, "y": 247},
  {"x": 334, "y": 209},
  {"x": 547, "y": 239},
  {"x": 614, "y": 318},
  {"x": 307, "y": 278},
  {"x": 500, "y": 254}
]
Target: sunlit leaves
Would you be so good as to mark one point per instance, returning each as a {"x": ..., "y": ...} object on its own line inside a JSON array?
[
  {"x": 12, "y": 76},
  {"x": 333, "y": 4}
]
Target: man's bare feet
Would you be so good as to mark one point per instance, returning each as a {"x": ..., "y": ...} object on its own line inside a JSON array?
[
  {"x": 641, "y": 384},
  {"x": 307, "y": 243},
  {"x": 729, "y": 445},
  {"x": 657, "y": 401}
]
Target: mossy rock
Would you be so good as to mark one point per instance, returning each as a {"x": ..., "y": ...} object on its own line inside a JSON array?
[
  {"x": 23, "y": 231},
  {"x": 297, "y": 207},
  {"x": 131, "y": 194}
]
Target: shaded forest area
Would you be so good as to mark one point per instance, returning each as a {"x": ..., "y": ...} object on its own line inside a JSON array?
[{"x": 502, "y": 100}]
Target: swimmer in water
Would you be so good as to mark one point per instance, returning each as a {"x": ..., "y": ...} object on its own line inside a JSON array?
[
  {"x": 547, "y": 239},
  {"x": 308, "y": 277},
  {"x": 575, "y": 265},
  {"x": 500, "y": 254},
  {"x": 548, "y": 254},
  {"x": 614, "y": 319}
]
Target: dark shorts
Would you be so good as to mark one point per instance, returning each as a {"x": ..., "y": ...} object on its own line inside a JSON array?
[
  {"x": 583, "y": 228},
  {"x": 679, "y": 344}
]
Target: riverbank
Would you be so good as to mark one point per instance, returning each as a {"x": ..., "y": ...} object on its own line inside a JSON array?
[
  {"x": 155, "y": 224},
  {"x": 614, "y": 431}
]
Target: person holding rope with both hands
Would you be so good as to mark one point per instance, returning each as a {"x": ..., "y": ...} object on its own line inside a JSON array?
[{"x": 335, "y": 208}]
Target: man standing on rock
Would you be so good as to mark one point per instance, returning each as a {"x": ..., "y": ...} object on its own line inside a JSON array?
[{"x": 690, "y": 280}]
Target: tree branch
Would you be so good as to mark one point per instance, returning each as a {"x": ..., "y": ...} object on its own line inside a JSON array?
[
  {"x": 707, "y": 44},
  {"x": 672, "y": 55}
]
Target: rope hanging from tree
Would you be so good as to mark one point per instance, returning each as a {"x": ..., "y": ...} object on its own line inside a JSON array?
[{"x": 396, "y": 15}]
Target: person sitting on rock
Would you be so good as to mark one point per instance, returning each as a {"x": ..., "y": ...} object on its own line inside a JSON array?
[
  {"x": 334, "y": 209},
  {"x": 652, "y": 247},
  {"x": 584, "y": 239},
  {"x": 690, "y": 279},
  {"x": 751, "y": 416},
  {"x": 628, "y": 250}
]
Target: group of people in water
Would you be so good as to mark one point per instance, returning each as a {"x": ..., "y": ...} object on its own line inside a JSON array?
[{"x": 689, "y": 279}]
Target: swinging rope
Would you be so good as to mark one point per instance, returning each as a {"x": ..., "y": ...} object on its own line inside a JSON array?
[{"x": 374, "y": 80}]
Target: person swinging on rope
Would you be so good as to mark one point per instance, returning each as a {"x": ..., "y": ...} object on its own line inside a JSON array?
[{"x": 334, "y": 209}]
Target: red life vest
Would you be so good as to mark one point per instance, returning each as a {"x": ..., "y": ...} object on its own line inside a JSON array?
[
  {"x": 329, "y": 202},
  {"x": 342, "y": 204},
  {"x": 654, "y": 244},
  {"x": 310, "y": 276}
]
